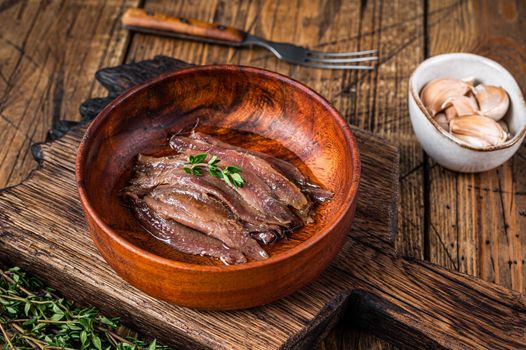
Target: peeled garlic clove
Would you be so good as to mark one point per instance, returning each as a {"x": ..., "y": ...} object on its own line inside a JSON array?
[
  {"x": 437, "y": 91},
  {"x": 478, "y": 131},
  {"x": 460, "y": 106},
  {"x": 493, "y": 101},
  {"x": 442, "y": 120}
]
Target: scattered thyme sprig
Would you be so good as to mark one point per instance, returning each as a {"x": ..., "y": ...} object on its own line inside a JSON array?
[
  {"x": 35, "y": 317},
  {"x": 230, "y": 174}
]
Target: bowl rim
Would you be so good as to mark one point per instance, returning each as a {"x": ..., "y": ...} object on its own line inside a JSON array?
[
  {"x": 461, "y": 55},
  {"x": 82, "y": 151}
]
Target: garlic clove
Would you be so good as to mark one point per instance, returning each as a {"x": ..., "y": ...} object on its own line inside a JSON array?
[
  {"x": 493, "y": 101},
  {"x": 473, "y": 141},
  {"x": 437, "y": 91},
  {"x": 451, "y": 113},
  {"x": 460, "y": 106},
  {"x": 478, "y": 131},
  {"x": 504, "y": 125},
  {"x": 469, "y": 80},
  {"x": 442, "y": 120}
]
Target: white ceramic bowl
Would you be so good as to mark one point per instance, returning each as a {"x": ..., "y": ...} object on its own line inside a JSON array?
[{"x": 447, "y": 150}]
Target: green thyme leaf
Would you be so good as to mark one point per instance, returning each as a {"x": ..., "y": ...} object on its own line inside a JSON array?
[
  {"x": 96, "y": 342},
  {"x": 232, "y": 169},
  {"x": 237, "y": 180},
  {"x": 108, "y": 322},
  {"x": 230, "y": 174},
  {"x": 213, "y": 161},
  {"x": 57, "y": 317},
  {"x": 197, "y": 171},
  {"x": 197, "y": 158},
  {"x": 83, "y": 337},
  {"x": 227, "y": 179},
  {"x": 37, "y": 318},
  {"x": 27, "y": 307},
  {"x": 214, "y": 171}
]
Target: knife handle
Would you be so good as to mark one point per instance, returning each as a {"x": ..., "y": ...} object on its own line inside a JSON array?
[{"x": 149, "y": 21}]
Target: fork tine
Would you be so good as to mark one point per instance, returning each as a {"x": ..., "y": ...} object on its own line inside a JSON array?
[
  {"x": 336, "y": 66},
  {"x": 341, "y": 54},
  {"x": 340, "y": 60}
]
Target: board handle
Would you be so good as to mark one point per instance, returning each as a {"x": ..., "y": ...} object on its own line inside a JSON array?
[{"x": 157, "y": 23}]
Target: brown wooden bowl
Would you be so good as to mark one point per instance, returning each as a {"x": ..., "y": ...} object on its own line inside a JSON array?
[{"x": 265, "y": 111}]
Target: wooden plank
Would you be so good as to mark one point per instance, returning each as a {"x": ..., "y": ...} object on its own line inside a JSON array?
[
  {"x": 375, "y": 101},
  {"x": 409, "y": 302},
  {"x": 46, "y": 234},
  {"x": 48, "y": 56},
  {"x": 245, "y": 9},
  {"x": 477, "y": 221}
]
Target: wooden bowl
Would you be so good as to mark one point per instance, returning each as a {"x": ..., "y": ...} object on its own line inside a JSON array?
[{"x": 265, "y": 111}]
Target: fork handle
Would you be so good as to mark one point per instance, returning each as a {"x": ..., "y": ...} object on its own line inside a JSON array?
[{"x": 149, "y": 21}]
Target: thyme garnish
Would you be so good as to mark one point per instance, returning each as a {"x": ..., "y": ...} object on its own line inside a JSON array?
[
  {"x": 33, "y": 316},
  {"x": 230, "y": 174}
]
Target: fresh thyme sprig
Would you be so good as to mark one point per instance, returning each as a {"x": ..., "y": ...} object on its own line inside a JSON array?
[
  {"x": 35, "y": 317},
  {"x": 230, "y": 174}
]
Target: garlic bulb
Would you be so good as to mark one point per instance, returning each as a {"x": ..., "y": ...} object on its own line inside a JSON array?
[
  {"x": 442, "y": 120},
  {"x": 478, "y": 131},
  {"x": 460, "y": 106},
  {"x": 493, "y": 101},
  {"x": 437, "y": 91}
]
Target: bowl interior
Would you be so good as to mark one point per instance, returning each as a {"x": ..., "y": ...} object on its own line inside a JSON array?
[
  {"x": 245, "y": 106},
  {"x": 485, "y": 71}
]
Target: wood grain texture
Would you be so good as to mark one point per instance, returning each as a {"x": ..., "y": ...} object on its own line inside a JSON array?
[
  {"x": 46, "y": 69},
  {"x": 477, "y": 221},
  {"x": 60, "y": 242},
  {"x": 375, "y": 101},
  {"x": 394, "y": 27},
  {"x": 149, "y": 21},
  {"x": 254, "y": 109},
  {"x": 411, "y": 303}
]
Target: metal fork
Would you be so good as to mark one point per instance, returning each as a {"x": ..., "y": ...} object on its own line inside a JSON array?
[{"x": 155, "y": 23}]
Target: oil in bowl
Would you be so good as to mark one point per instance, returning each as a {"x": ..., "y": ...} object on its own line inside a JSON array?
[
  {"x": 131, "y": 229},
  {"x": 238, "y": 98}
]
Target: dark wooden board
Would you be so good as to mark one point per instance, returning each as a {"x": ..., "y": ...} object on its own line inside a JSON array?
[{"x": 411, "y": 303}]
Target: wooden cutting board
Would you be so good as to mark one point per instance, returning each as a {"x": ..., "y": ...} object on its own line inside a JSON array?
[{"x": 410, "y": 303}]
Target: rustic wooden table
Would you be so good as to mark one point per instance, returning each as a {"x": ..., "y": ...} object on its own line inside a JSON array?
[{"x": 49, "y": 51}]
